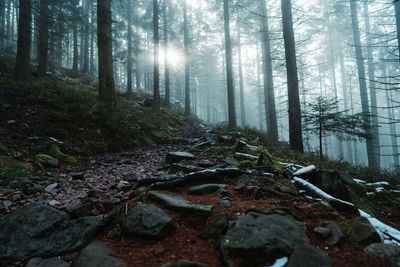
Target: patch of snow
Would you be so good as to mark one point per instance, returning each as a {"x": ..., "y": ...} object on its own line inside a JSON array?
[
  {"x": 378, "y": 183},
  {"x": 302, "y": 191},
  {"x": 384, "y": 231},
  {"x": 379, "y": 189},
  {"x": 309, "y": 197},
  {"x": 305, "y": 170},
  {"x": 359, "y": 181},
  {"x": 280, "y": 262},
  {"x": 370, "y": 193},
  {"x": 395, "y": 191}
]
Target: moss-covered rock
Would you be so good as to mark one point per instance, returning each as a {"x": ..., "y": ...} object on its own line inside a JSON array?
[
  {"x": 10, "y": 168},
  {"x": 246, "y": 164},
  {"x": 322, "y": 210},
  {"x": 47, "y": 160},
  {"x": 56, "y": 152}
]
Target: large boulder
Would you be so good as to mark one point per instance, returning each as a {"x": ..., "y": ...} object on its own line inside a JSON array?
[
  {"x": 205, "y": 189},
  {"x": 40, "y": 230},
  {"x": 386, "y": 252},
  {"x": 307, "y": 255},
  {"x": 97, "y": 254},
  {"x": 363, "y": 232},
  {"x": 338, "y": 184},
  {"x": 257, "y": 237},
  {"x": 149, "y": 221}
]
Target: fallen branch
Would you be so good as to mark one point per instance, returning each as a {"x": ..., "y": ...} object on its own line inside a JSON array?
[{"x": 10, "y": 195}]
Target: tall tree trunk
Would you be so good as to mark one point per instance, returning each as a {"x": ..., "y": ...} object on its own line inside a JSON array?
[
  {"x": 333, "y": 72},
  {"x": 372, "y": 87},
  {"x": 187, "y": 66},
  {"x": 8, "y": 34},
  {"x": 104, "y": 37},
  {"x": 75, "y": 33},
  {"x": 345, "y": 99},
  {"x": 295, "y": 131},
  {"x": 22, "y": 69},
  {"x": 396, "y": 4},
  {"x": 156, "y": 103},
  {"x": 92, "y": 38},
  {"x": 129, "y": 59},
  {"x": 259, "y": 92},
  {"x": 372, "y": 163},
  {"x": 166, "y": 73},
  {"x": 85, "y": 68},
  {"x": 229, "y": 72},
  {"x": 352, "y": 112},
  {"x": 272, "y": 125},
  {"x": 241, "y": 86},
  {"x": 2, "y": 23},
  {"x": 43, "y": 37}
]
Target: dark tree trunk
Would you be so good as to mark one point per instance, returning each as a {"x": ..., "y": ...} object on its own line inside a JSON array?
[
  {"x": 22, "y": 69},
  {"x": 372, "y": 163},
  {"x": 187, "y": 67},
  {"x": 241, "y": 86},
  {"x": 167, "y": 82},
  {"x": 92, "y": 38},
  {"x": 396, "y": 4},
  {"x": 156, "y": 93},
  {"x": 269, "y": 94},
  {"x": 229, "y": 72},
  {"x": 2, "y": 23},
  {"x": 8, "y": 33},
  {"x": 295, "y": 131},
  {"x": 129, "y": 59},
  {"x": 104, "y": 37},
  {"x": 372, "y": 87},
  {"x": 43, "y": 37},
  {"x": 85, "y": 68},
  {"x": 75, "y": 33}
]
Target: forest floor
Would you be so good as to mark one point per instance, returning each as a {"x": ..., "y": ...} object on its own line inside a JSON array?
[{"x": 91, "y": 181}]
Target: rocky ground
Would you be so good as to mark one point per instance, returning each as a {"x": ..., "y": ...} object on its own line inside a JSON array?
[{"x": 221, "y": 200}]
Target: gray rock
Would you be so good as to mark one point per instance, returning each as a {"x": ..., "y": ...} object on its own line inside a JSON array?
[
  {"x": 40, "y": 230},
  {"x": 49, "y": 262},
  {"x": 322, "y": 231},
  {"x": 337, "y": 235},
  {"x": 97, "y": 254},
  {"x": 181, "y": 204},
  {"x": 5, "y": 191},
  {"x": 7, "y": 203},
  {"x": 363, "y": 232},
  {"x": 225, "y": 203},
  {"x": 50, "y": 188},
  {"x": 206, "y": 189},
  {"x": 185, "y": 263},
  {"x": 307, "y": 255},
  {"x": 387, "y": 252},
  {"x": 183, "y": 166},
  {"x": 146, "y": 220},
  {"x": 175, "y": 157},
  {"x": 255, "y": 237},
  {"x": 344, "y": 207},
  {"x": 205, "y": 163}
]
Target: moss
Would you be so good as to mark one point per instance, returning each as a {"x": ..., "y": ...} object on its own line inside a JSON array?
[
  {"x": 323, "y": 210},
  {"x": 47, "y": 159},
  {"x": 55, "y": 151},
  {"x": 346, "y": 229},
  {"x": 246, "y": 164},
  {"x": 10, "y": 168}
]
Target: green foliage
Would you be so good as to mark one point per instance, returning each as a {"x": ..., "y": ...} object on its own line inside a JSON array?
[{"x": 10, "y": 168}]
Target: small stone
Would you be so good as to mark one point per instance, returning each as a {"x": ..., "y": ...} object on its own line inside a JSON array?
[
  {"x": 307, "y": 255},
  {"x": 7, "y": 203},
  {"x": 123, "y": 186},
  {"x": 51, "y": 188},
  {"x": 205, "y": 163},
  {"x": 16, "y": 197},
  {"x": 225, "y": 203},
  {"x": 206, "y": 189},
  {"x": 55, "y": 203},
  {"x": 336, "y": 234},
  {"x": 76, "y": 175},
  {"x": 175, "y": 157},
  {"x": 322, "y": 231}
]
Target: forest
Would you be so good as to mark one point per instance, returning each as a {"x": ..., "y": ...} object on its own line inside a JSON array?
[{"x": 199, "y": 133}]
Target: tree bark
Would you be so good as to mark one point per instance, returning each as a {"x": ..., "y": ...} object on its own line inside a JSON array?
[
  {"x": 104, "y": 37},
  {"x": 269, "y": 94},
  {"x": 229, "y": 71},
  {"x": 372, "y": 163},
  {"x": 92, "y": 39},
  {"x": 241, "y": 86},
  {"x": 2, "y": 23},
  {"x": 187, "y": 60},
  {"x": 129, "y": 56},
  {"x": 85, "y": 68},
  {"x": 22, "y": 69},
  {"x": 156, "y": 93},
  {"x": 295, "y": 131},
  {"x": 396, "y": 4},
  {"x": 166, "y": 73},
  {"x": 43, "y": 37},
  {"x": 372, "y": 87},
  {"x": 75, "y": 33}
]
